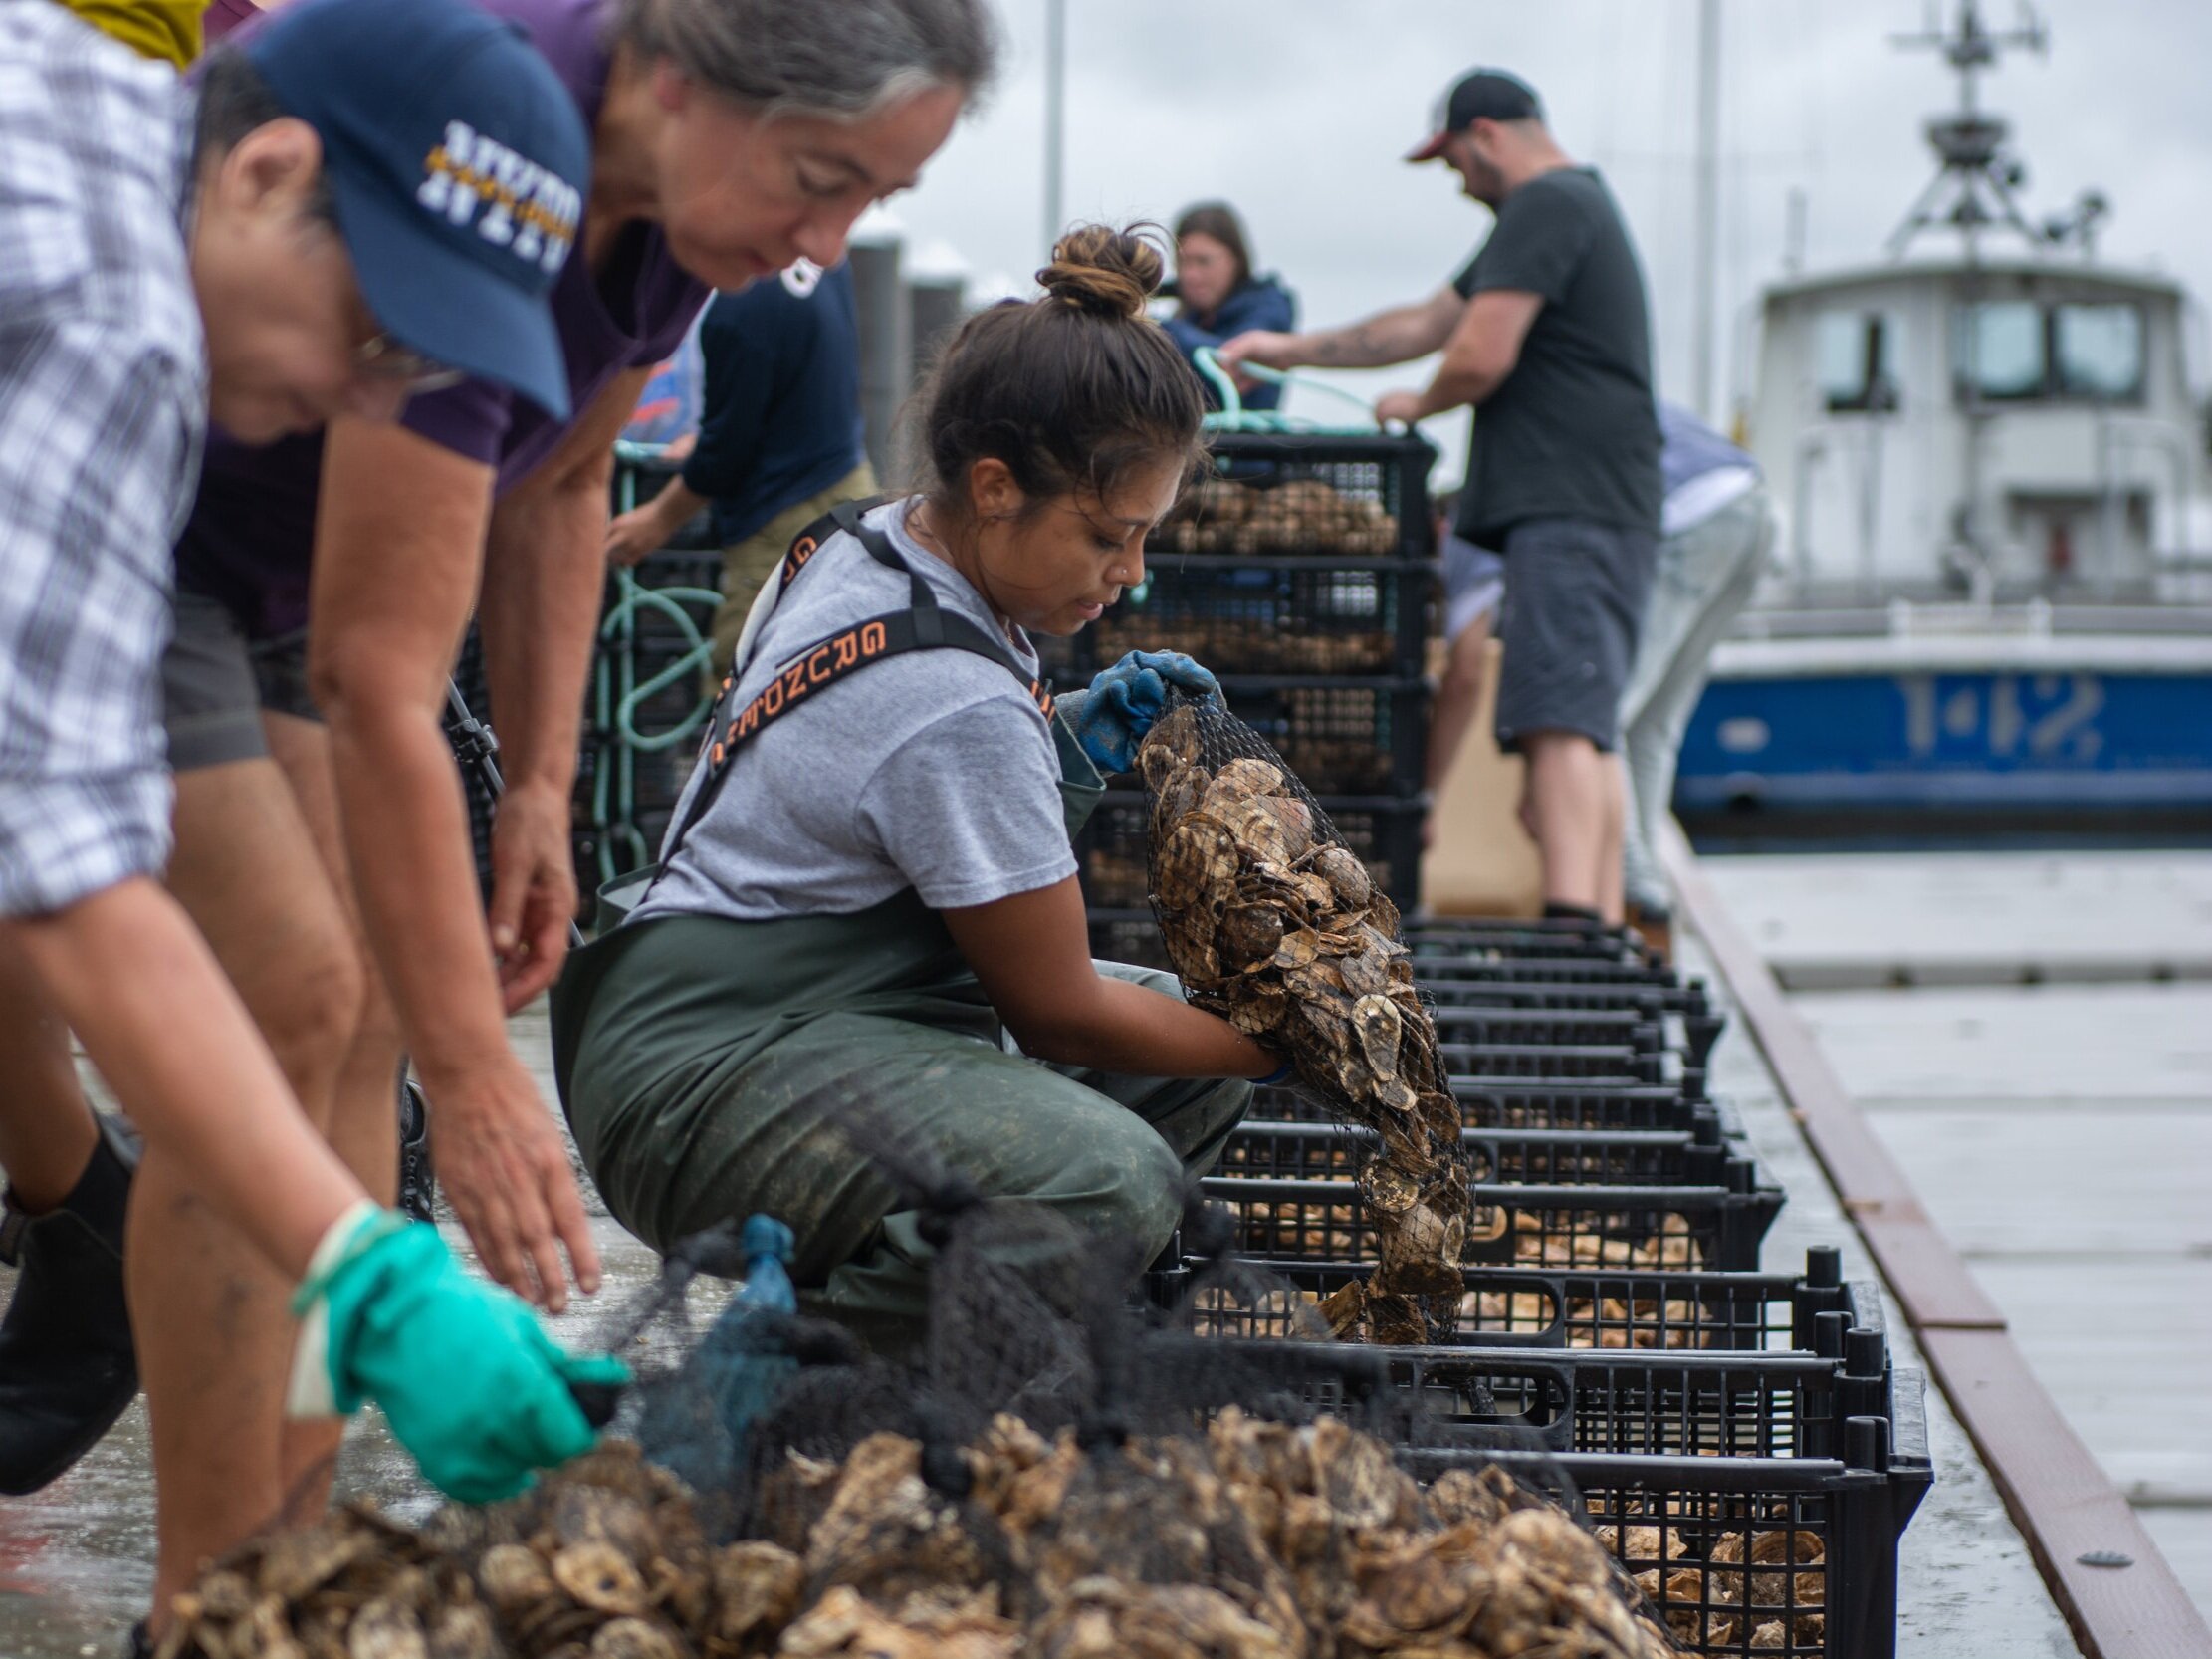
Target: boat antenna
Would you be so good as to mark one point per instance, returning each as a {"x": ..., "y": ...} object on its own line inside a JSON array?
[{"x": 1977, "y": 178}]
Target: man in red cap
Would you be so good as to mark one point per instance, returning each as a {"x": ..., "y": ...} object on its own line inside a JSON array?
[{"x": 1546, "y": 332}]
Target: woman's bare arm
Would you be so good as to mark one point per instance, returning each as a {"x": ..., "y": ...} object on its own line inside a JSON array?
[{"x": 1032, "y": 955}]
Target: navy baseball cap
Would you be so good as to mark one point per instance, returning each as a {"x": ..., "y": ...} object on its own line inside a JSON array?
[
  {"x": 1478, "y": 95},
  {"x": 458, "y": 164}
]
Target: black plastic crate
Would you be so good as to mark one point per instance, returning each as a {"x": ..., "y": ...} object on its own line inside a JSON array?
[
  {"x": 1480, "y": 998},
  {"x": 1272, "y": 616},
  {"x": 1640, "y": 1030},
  {"x": 1651, "y": 1228},
  {"x": 1544, "y": 1307},
  {"x": 1595, "y": 941},
  {"x": 1758, "y": 1499},
  {"x": 1307, "y": 552},
  {"x": 1561, "y": 1104},
  {"x": 1128, "y": 936},
  {"x": 1342, "y": 736},
  {"x": 1778, "y": 1533},
  {"x": 1305, "y": 1150},
  {"x": 1587, "y": 1061},
  {"x": 1309, "y": 493},
  {"x": 1112, "y": 850},
  {"x": 1553, "y": 1107},
  {"x": 1470, "y": 967}
]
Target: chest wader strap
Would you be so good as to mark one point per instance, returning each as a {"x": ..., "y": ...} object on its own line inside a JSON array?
[{"x": 923, "y": 627}]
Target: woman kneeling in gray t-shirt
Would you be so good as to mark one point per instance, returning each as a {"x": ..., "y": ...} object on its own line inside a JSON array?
[{"x": 868, "y": 899}]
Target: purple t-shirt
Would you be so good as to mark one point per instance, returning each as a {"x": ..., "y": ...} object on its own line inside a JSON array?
[{"x": 251, "y": 538}]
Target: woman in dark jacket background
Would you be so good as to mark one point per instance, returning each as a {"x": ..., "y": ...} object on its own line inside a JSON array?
[{"x": 1221, "y": 296}]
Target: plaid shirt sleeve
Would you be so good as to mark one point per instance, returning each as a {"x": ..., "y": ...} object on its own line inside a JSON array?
[{"x": 102, "y": 406}]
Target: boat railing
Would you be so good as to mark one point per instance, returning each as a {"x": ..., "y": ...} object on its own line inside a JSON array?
[
  {"x": 2033, "y": 616},
  {"x": 2120, "y": 438}
]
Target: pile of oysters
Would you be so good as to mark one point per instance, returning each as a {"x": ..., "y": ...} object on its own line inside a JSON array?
[
  {"x": 1780, "y": 1604},
  {"x": 1273, "y": 923},
  {"x": 1295, "y": 515},
  {"x": 1256, "y": 1541}
]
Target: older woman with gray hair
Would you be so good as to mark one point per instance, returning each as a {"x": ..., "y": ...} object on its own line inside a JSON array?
[{"x": 321, "y": 844}]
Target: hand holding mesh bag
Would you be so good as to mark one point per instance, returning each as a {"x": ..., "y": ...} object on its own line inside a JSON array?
[{"x": 1273, "y": 923}]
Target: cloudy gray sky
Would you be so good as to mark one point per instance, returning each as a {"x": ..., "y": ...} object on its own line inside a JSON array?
[{"x": 1297, "y": 109}]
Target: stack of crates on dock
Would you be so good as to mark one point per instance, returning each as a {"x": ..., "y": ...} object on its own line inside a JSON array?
[
  {"x": 1303, "y": 573},
  {"x": 1739, "y": 1439}
]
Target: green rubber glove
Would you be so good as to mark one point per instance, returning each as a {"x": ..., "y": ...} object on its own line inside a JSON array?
[{"x": 469, "y": 1380}]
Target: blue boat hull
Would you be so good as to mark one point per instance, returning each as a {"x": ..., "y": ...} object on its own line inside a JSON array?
[{"x": 1974, "y": 742}]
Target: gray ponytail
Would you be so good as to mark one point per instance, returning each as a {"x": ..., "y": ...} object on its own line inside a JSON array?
[{"x": 841, "y": 59}]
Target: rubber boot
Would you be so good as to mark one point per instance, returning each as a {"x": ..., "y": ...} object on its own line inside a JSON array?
[{"x": 67, "y": 1369}]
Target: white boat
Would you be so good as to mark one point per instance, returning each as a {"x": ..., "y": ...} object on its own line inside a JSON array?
[{"x": 1993, "y": 602}]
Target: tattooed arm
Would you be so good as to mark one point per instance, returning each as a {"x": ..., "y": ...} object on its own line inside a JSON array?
[{"x": 1397, "y": 335}]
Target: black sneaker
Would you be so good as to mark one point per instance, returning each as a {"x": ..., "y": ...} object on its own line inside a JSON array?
[{"x": 67, "y": 1366}]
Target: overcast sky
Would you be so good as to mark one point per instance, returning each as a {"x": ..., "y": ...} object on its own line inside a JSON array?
[{"x": 1296, "y": 111}]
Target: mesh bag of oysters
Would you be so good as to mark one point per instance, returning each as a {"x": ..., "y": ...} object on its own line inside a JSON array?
[
  {"x": 1271, "y": 921},
  {"x": 1051, "y": 1473}
]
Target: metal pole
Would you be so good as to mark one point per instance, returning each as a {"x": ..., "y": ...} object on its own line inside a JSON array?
[
  {"x": 1056, "y": 114},
  {"x": 1708, "y": 216}
]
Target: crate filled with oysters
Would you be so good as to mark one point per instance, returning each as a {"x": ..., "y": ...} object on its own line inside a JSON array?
[{"x": 1298, "y": 554}]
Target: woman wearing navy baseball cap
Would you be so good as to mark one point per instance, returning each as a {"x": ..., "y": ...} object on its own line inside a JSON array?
[
  {"x": 323, "y": 584},
  {"x": 168, "y": 253}
]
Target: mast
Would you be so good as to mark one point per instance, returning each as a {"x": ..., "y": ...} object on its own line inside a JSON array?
[
  {"x": 1978, "y": 180},
  {"x": 1708, "y": 216},
  {"x": 1055, "y": 116},
  {"x": 1975, "y": 174}
]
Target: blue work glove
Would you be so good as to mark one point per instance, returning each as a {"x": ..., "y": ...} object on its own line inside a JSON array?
[
  {"x": 1112, "y": 717},
  {"x": 469, "y": 1380}
]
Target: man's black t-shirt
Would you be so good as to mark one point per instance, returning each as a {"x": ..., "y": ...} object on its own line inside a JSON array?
[{"x": 1571, "y": 433}]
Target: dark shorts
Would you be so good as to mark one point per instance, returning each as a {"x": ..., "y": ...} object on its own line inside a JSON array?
[
  {"x": 215, "y": 683},
  {"x": 1575, "y": 591}
]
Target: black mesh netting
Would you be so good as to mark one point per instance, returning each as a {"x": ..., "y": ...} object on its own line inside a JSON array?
[
  {"x": 1272, "y": 922},
  {"x": 1058, "y": 1469}
]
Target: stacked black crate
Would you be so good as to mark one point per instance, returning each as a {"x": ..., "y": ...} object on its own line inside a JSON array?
[
  {"x": 1735, "y": 1417},
  {"x": 1304, "y": 575}
]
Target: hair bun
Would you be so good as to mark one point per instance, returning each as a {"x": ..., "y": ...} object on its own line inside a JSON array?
[{"x": 1108, "y": 272}]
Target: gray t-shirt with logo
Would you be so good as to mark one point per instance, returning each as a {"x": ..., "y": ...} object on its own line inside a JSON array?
[{"x": 932, "y": 769}]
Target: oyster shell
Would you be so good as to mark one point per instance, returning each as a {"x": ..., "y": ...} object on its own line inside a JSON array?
[{"x": 1286, "y": 935}]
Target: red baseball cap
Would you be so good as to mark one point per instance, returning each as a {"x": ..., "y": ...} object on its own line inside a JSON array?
[{"x": 1478, "y": 95}]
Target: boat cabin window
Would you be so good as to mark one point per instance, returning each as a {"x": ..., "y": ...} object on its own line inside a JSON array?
[
  {"x": 2016, "y": 350},
  {"x": 2001, "y": 351},
  {"x": 2099, "y": 352},
  {"x": 1852, "y": 360}
]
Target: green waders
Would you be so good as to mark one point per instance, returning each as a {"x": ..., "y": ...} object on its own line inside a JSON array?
[{"x": 701, "y": 1061}]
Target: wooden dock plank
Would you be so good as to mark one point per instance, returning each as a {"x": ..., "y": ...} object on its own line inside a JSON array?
[
  {"x": 1825, "y": 921},
  {"x": 2041, "y": 1045},
  {"x": 1925, "y": 1272},
  {"x": 2127, "y": 1354},
  {"x": 2055, "y": 1490},
  {"x": 2066, "y": 1507},
  {"x": 2112, "y": 1182}
]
